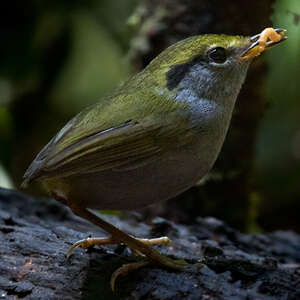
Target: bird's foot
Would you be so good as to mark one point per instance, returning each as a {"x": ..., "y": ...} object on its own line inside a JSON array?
[
  {"x": 126, "y": 268},
  {"x": 164, "y": 240},
  {"x": 140, "y": 246},
  {"x": 90, "y": 242}
]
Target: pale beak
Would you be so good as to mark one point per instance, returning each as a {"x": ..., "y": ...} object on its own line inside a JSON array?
[{"x": 264, "y": 41}]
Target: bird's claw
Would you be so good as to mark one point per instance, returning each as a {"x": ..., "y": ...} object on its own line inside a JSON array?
[
  {"x": 90, "y": 242},
  {"x": 125, "y": 269}
]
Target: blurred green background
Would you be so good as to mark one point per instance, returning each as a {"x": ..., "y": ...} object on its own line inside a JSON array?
[
  {"x": 58, "y": 57},
  {"x": 278, "y": 146}
]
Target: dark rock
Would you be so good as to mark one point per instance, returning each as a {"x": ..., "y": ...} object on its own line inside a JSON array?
[
  {"x": 210, "y": 248},
  {"x": 35, "y": 235}
]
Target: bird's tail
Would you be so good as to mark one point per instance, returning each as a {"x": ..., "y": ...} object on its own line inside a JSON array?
[{"x": 32, "y": 173}]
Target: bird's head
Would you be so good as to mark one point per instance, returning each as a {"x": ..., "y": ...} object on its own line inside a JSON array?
[{"x": 212, "y": 65}]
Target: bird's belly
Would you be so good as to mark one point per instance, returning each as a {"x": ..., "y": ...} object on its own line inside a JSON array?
[{"x": 166, "y": 177}]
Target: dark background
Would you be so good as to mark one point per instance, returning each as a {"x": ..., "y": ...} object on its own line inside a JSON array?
[{"x": 56, "y": 57}]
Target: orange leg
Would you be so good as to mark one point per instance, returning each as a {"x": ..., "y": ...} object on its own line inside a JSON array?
[{"x": 141, "y": 246}]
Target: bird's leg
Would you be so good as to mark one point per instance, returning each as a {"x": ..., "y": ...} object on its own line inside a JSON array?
[
  {"x": 125, "y": 269},
  {"x": 163, "y": 240},
  {"x": 119, "y": 236},
  {"x": 122, "y": 237},
  {"x": 90, "y": 242}
]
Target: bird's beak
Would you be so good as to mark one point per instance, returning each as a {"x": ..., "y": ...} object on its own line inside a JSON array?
[{"x": 264, "y": 41}]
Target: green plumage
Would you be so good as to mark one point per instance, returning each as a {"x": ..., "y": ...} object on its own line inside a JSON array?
[
  {"x": 154, "y": 136},
  {"x": 135, "y": 123},
  {"x": 151, "y": 139}
]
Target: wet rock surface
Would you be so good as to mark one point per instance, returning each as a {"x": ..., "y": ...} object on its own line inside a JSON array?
[{"x": 35, "y": 235}]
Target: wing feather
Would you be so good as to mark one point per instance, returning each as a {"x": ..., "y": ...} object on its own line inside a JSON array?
[
  {"x": 124, "y": 147},
  {"x": 107, "y": 150},
  {"x": 127, "y": 136}
]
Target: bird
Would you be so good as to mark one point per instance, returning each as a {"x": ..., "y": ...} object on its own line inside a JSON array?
[{"x": 152, "y": 138}]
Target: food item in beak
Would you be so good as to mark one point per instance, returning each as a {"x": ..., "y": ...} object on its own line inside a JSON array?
[
  {"x": 263, "y": 41},
  {"x": 268, "y": 34}
]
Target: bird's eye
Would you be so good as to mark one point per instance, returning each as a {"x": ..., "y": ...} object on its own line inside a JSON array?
[{"x": 218, "y": 55}]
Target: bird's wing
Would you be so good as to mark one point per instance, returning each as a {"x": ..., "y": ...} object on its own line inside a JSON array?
[{"x": 125, "y": 146}]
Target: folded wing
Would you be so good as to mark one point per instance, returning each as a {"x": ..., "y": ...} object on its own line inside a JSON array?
[{"x": 126, "y": 146}]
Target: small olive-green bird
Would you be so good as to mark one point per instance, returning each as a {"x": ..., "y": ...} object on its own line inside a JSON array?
[{"x": 153, "y": 137}]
